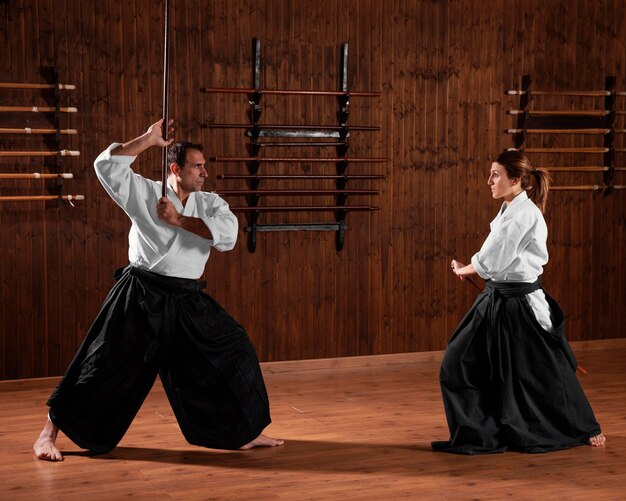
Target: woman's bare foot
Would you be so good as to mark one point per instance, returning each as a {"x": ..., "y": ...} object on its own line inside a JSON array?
[
  {"x": 597, "y": 440},
  {"x": 45, "y": 447},
  {"x": 263, "y": 441}
]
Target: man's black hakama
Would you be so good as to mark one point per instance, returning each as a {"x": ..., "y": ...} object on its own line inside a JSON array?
[
  {"x": 507, "y": 383},
  {"x": 153, "y": 324}
]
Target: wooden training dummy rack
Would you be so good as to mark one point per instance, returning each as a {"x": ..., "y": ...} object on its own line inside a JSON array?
[
  {"x": 297, "y": 135},
  {"x": 44, "y": 121},
  {"x": 582, "y": 122}
]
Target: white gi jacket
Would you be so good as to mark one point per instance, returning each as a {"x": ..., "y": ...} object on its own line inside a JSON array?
[
  {"x": 154, "y": 245},
  {"x": 516, "y": 251}
]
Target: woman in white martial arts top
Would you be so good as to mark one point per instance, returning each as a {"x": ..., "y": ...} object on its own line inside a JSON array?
[
  {"x": 508, "y": 376},
  {"x": 156, "y": 319}
]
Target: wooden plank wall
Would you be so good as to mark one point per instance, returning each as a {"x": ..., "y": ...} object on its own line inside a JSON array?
[{"x": 442, "y": 68}]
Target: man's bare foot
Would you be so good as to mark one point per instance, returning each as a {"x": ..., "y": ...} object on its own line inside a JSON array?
[
  {"x": 263, "y": 441},
  {"x": 597, "y": 440},
  {"x": 45, "y": 447}
]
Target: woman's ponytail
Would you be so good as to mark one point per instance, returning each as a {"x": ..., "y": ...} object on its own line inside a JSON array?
[{"x": 538, "y": 187}]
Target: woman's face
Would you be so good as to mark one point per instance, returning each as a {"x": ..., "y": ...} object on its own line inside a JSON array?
[{"x": 502, "y": 186}]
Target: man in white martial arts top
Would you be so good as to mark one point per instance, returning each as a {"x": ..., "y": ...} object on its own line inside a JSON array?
[{"x": 156, "y": 319}]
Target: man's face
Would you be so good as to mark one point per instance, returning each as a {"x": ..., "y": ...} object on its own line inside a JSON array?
[{"x": 191, "y": 176}]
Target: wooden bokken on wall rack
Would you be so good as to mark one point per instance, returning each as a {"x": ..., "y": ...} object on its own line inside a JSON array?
[
  {"x": 580, "y": 132},
  {"x": 20, "y": 124},
  {"x": 263, "y": 138}
]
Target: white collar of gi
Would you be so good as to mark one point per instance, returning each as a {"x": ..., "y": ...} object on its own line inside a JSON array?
[
  {"x": 182, "y": 209},
  {"x": 520, "y": 197}
]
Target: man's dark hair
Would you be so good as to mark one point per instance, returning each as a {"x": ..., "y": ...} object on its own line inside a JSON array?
[{"x": 177, "y": 152}]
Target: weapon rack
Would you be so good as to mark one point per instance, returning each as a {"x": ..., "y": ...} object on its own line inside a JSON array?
[
  {"x": 20, "y": 123},
  {"x": 262, "y": 137},
  {"x": 591, "y": 121}
]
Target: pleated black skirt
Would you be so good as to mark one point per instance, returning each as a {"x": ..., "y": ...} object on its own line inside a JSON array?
[
  {"x": 150, "y": 324},
  {"x": 507, "y": 383}
]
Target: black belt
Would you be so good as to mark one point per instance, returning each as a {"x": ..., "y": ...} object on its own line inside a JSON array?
[
  {"x": 513, "y": 289},
  {"x": 173, "y": 285}
]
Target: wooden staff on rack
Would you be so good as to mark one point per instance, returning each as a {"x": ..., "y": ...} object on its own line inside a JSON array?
[
  {"x": 291, "y": 127},
  {"x": 582, "y": 168},
  {"x": 296, "y": 192},
  {"x": 38, "y": 109},
  {"x": 63, "y": 153},
  {"x": 37, "y": 175},
  {"x": 582, "y": 93},
  {"x": 565, "y": 150},
  {"x": 558, "y": 131},
  {"x": 563, "y": 113},
  {"x": 285, "y": 92},
  {"x": 36, "y": 86},
  {"x": 300, "y": 208},
  {"x": 582, "y": 187},
  {"x": 166, "y": 63},
  {"x": 301, "y": 176},
  {"x": 305, "y": 144},
  {"x": 296, "y": 159},
  {"x": 28, "y": 130},
  {"x": 39, "y": 198}
]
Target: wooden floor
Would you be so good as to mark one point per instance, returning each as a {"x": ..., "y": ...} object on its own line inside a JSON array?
[{"x": 356, "y": 429}]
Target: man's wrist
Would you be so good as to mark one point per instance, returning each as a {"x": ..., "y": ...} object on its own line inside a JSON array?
[
  {"x": 150, "y": 139},
  {"x": 179, "y": 221}
]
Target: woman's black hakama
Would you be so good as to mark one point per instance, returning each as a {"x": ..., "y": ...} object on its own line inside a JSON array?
[{"x": 507, "y": 383}]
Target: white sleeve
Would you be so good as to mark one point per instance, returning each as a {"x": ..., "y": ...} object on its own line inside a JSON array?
[
  {"x": 222, "y": 223},
  {"x": 504, "y": 245},
  {"x": 127, "y": 188}
]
